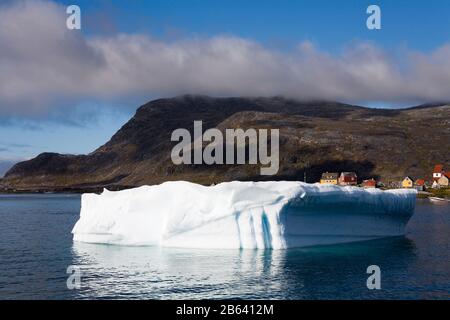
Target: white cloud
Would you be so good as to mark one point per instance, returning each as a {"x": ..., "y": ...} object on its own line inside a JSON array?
[{"x": 43, "y": 65}]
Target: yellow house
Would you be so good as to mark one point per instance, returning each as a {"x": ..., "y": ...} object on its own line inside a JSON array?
[
  {"x": 407, "y": 182},
  {"x": 329, "y": 178}
]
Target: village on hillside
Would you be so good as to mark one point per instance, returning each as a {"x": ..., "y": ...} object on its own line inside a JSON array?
[{"x": 439, "y": 179}]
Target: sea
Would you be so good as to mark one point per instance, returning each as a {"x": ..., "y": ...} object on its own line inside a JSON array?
[{"x": 39, "y": 260}]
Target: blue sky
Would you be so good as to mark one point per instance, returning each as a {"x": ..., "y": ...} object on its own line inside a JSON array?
[
  {"x": 38, "y": 120},
  {"x": 331, "y": 24}
]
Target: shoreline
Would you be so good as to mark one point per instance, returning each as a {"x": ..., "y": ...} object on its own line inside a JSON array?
[{"x": 442, "y": 193}]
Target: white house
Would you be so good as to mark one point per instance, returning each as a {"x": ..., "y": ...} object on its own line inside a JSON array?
[{"x": 435, "y": 185}]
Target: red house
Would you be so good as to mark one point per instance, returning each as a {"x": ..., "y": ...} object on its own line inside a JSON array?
[
  {"x": 419, "y": 185},
  {"x": 348, "y": 179},
  {"x": 371, "y": 183},
  {"x": 420, "y": 182},
  {"x": 438, "y": 172}
]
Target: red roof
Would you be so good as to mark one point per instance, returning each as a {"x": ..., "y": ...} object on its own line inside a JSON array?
[
  {"x": 370, "y": 182},
  {"x": 447, "y": 174},
  {"x": 420, "y": 182},
  {"x": 438, "y": 168}
]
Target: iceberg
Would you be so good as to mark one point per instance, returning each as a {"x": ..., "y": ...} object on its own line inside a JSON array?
[{"x": 263, "y": 215}]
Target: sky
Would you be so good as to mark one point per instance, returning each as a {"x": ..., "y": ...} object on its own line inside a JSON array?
[{"x": 68, "y": 91}]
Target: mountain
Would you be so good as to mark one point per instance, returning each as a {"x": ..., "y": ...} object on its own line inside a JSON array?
[{"x": 314, "y": 136}]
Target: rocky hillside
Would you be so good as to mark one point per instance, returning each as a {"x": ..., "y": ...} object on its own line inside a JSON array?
[{"x": 314, "y": 136}]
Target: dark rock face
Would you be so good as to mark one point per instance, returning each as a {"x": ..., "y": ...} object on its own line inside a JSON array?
[{"x": 314, "y": 136}]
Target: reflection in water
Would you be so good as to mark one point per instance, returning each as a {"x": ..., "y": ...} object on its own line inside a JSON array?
[
  {"x": 168, "y": 273},
  {"x": 152, "y": 272}
]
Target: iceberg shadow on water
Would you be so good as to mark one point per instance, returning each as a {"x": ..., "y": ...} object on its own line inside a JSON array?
[{"x": 263, "y": 215}]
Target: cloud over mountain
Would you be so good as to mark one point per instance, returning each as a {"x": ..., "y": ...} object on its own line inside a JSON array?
[{"x": 44, "y": 66}]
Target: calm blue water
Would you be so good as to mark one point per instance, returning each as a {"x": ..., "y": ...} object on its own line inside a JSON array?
[{"x": 36, "y": 248}]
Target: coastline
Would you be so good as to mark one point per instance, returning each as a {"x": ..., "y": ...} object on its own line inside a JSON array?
[{"x": 443, "y": 192}]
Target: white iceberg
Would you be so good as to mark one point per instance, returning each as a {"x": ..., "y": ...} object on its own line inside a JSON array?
[{"x": 274, "y": 215}]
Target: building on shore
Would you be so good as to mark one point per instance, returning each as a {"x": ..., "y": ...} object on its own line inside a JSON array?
[
  {"x": 329, "y": 178},
  {"x": 408, "y": 182},
  {"x": 394, "y": 184},
  {"x": 438, "y": 172},
  {"x": 370, "y": 183},
  {"x": 440, "y": 177},
  {"x": 419, "y": 185},
  {"x": 443, "y": 181},
  {"x": 348, "y": 179}
]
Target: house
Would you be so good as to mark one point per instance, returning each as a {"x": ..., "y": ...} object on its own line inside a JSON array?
[
  {"x": 438, "y": 171},
  {"x": 329, "y": 178},
  {"x": 419, "y": 185},
  {"x": 348, "y": 179},
  {"x": 435, "y": 185},
  {"x": 443, "y": 181},
  {"x": 370, "y": 183},
  {"x": 407, "y": 182},
  {"x": 394, "y": 184}
]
